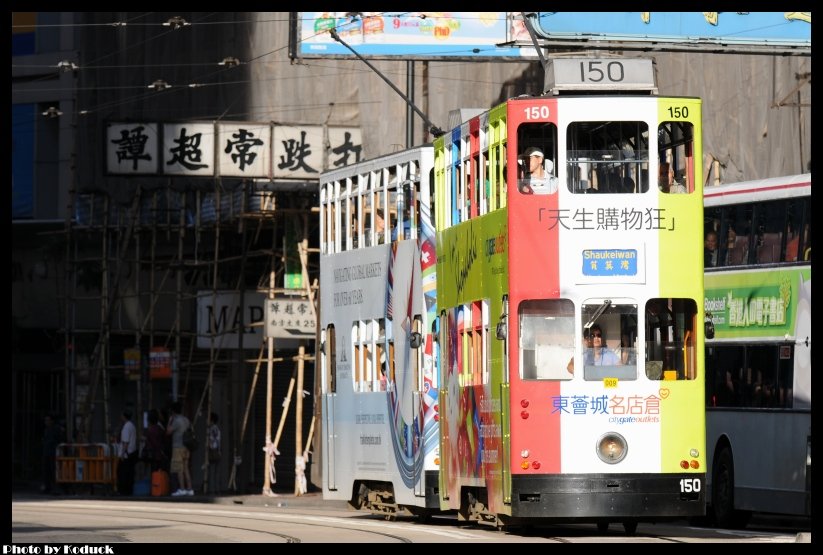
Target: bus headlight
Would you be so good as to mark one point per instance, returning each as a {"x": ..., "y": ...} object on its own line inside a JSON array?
[{"x": 612, "y": 448}]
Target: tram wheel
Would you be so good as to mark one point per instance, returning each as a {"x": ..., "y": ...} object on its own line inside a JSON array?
[
  {"x": 630, "y": 526},
  {"x": 602, "y": 526}
]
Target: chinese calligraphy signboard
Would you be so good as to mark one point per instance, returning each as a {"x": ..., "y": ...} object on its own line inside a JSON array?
[
  {"x": 289, "y": 318},
  {"x": 132, "y": 148},
  {"x": 236, "y": 149},
  {"x": 219, "y": 317}
]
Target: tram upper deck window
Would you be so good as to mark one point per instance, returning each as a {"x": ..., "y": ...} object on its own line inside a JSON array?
[
  {"x": 675, "y": 146},
  {"x": 607, "y": 157},
  {"x": 536, "y": 157}
]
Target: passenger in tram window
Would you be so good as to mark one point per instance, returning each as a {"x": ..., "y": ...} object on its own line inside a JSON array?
[
  {"x": 600, "y": 354},
  {"x": 674, "y": 185},
  {"x": 539, "y": 180},
  {"x": 663, "y": 177},
  {"x": 792, "y": 243},
  {"x": 627, "y": 185}
]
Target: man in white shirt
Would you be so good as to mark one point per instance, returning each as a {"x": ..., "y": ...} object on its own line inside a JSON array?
[
  {"x": 128, "y": 455},
  {"x": 540, "y": 181}
]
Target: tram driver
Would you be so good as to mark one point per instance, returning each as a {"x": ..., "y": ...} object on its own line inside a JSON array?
[{"x": 539, "y": 180}]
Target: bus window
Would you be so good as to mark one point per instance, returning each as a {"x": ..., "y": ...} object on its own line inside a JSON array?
[
  {"x": 670, "y": 339},
  {"x": 607, "y": 157},
  {"x": 546, "y": 339},
  {"x": 724, "y": 369}
]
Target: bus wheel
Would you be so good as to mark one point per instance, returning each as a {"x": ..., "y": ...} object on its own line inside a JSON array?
[
  {"x": 630, "y": 526},
  {"x": 723, "y": 489}
]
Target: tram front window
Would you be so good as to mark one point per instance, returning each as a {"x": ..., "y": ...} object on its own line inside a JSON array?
[
  {"x": 610, "y": 340},
  {"x": 546, "y": 339},
  {"x": 670, "y": 339}
]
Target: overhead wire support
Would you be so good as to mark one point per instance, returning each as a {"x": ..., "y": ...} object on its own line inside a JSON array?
[{"x": 433, "y": 129}]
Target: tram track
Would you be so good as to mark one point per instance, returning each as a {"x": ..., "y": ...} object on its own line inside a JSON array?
[{"x": 152, "y": 522}]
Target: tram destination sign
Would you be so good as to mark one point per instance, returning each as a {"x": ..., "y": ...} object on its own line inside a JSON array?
[{"x": 592, "y": 74}]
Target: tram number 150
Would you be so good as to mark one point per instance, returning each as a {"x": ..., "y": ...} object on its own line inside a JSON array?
[
  {"x": 690, "y": 485},
  {"x": 593, "y": 71}
]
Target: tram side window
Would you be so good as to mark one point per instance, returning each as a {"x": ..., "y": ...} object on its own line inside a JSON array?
[
  {"x": 472, "y": 325},
  {"x": 502, "y": 186},
  {"x": 675, "y": 147},
  {"x": 330, "y": 358},
  {"x": 484, "y": 182},
  {"x": 546, "y": 339},
  {"x": 346, "y": 223},
  {"x": 670, "y": 339},
  {"x": 382, "y": 357},
  {"x": 537, "y": 141},
  {"x": 356, "y": 221},
  {"x": 392, "y": 223},
  {"x": 427, "y": 217},
  {"x": 607, "y": 157},
  {"x": 363, "y": 343}
]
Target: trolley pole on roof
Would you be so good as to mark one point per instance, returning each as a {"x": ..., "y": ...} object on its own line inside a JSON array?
[
  {"x": 528, "y": 24},
  {"x": 436, "y": 131}
]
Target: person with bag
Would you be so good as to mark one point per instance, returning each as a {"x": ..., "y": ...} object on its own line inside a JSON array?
[
  {"x": 214, "y": 440},
  {"x": 180, "y": 455},
  {"x": 154, "y": 451}
]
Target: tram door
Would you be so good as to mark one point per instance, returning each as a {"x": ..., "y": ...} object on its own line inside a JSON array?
[
  {"x": 417, "y": 406},
  {"x": 329, "y": 354}
]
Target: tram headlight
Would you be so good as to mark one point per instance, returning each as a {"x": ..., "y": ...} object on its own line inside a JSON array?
[{"x": 612, "y": 448}]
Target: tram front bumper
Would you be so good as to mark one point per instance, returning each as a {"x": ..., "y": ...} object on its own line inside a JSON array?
[{"x": 592, "y": 497}]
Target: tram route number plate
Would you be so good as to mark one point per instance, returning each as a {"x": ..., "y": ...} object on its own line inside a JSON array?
[{"x": 599, "y": 73}]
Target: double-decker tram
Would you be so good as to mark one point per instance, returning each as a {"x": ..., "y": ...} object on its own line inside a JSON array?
[
  {"x": 377, "y": 305},
  {"x": 570, "y": 327},
  {"x": 758, "y": 291}
]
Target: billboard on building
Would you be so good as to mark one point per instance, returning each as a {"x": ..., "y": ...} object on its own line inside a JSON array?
[
  {"x": 778, "y": 29},
  {"x": 503, "y": 35},
  {"x": 422, "y": 35}
]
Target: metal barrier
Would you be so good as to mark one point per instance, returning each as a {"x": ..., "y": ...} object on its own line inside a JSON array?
[{"x": 86, "y": 463}]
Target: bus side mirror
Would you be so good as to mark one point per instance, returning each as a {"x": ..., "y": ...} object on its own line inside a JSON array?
[{"x": 709, "y": 326}]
